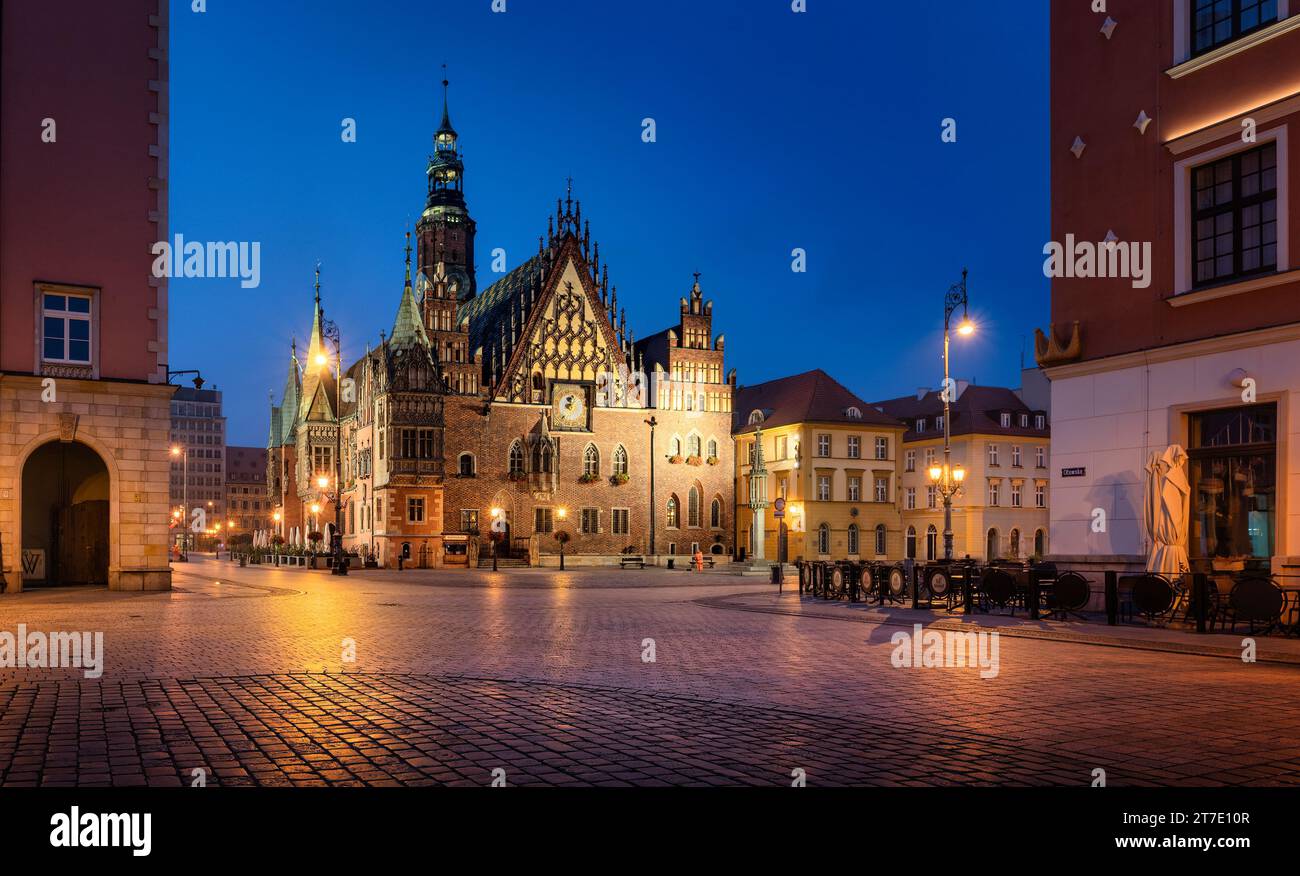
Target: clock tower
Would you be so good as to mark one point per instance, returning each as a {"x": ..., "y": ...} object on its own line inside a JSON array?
[{"x": 445, "y": 232}]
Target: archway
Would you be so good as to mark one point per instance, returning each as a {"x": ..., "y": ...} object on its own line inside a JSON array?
[{"x": 65, "y": 511}]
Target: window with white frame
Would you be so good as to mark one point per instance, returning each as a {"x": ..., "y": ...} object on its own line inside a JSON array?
[
  {"x": 1234, "y": 216},
  {"x": 1015, "y": 495},
  {"x": 855, "y": 489},
  {"x": 882, "y": 448},
  {"x": 853, "y": 539},
  {"x": 1040, "y": 495},
  {"x": 415, "y": 510},
  {"x": 823, "y": 539},
  {"x": 1006, "y": 420},
  {"x": 909, "y": 460},
  {"x": 855, "y": 447},
  {"x": 930, "y": 456},
  {"x": 931, "y": 497},
  {"x": 882, "y": 489},
  {"x": 590, "y": 521},
  {"x": 993, "y": 454},
  {"x": 911, "y": 498},
  {"x": 65, "y": 333},
  {"x": 881, "y": 539},
  {"x": 995, "y": 493},
  {"x": 823, "y": 445},
  {"x": 1015, "y": 455},
  {"x": 1040, "y": 421},
  {"x": 823, "y": 488},
  {"x": 1040, "y": 457}
]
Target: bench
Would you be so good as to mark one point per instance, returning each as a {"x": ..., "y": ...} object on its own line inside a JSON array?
[
  {"x": 624, "y": 562},
  {"x": 708, "y": 561}
]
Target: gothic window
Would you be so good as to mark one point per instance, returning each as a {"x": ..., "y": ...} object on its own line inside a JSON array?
[
  {"x": 693, "y": 507},
  {"x": 620, "y": 460},
  {"x": 911, "y": 542},
  {"x": 677, "y": 446},
  {"x": 409, "y": 444},
  {"x": 880, "y": 539},
  {"x": 713, "y": 449},
  {"x": 673, "y": 516},
  {"x": 693, "y": 445},
  {"x": 715, "y": 514},
  {"x": 931, "y": 542},
  {"x": 591, "y": 461},
  {"x": 426, "y": 444},
  {"x": 853, "y": 539},
  {"x": 542, "y": 457},
  {"x": 467, "y": 465},
  {"x": 823, "y": 539},
  {"x": 516, "y": 458}
]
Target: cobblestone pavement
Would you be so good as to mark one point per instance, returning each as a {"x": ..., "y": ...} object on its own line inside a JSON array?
[{"x": 240, "y": 672}]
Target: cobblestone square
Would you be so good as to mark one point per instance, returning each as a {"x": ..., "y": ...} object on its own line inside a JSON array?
[{"x": 239, "y": 676}]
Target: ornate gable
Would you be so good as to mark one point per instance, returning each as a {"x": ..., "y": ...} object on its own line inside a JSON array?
[{"x": 567, "y": 336}]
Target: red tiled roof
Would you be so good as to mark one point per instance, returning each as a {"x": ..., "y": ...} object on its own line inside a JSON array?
[
  {"x": 976, "y": 411},
  {"x": 813, "y": 396}
]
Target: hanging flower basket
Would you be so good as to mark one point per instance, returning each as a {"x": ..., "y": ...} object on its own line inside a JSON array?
[
  {"x": 674, "y": 460},
  {"x": 619, "y": 479},
  {"x": 589, "y": 479},
  {"x": 517, "y": 476},
  {"x": 694, "y": 460},
  {"x": 712, "y": 460}
]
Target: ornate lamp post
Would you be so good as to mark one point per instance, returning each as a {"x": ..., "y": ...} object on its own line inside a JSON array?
[
  {"x": 947, "y": 479},
  {"x": 561, "y": 536},
  {"x": 495, "y": 535},
  {"x": 331, "y": 333},
  {"x": 757, "y": 497}
]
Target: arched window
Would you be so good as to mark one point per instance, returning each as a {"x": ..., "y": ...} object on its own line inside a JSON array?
[
  {"x": 755, "y": 417},
  {"x": 591, "y": 461},
  {"x": 674, "y": 516},
  {"x": 620, "y": 460},
  {"x": 911, "y": 542},
  {"x": 1040, "y": 544},
  {"x": 693, "y": 445},
  {"x": 931, "y": 543},
  {"x": 693, "y": 507},
  {"x": 823, "y": 539},
  {"x": 853, "y": 413},
  {"x": 467, "y": 465},
  {"x": 713, "y": 449},
  {"x": 881, "y": 535},
  {"x": 676, "y": 445},
  {"x": 516, "y": 458},
  {"x": 1015, "y": 544},
  {"x": 715, "y": 514},
  {"x": 542, "y": 457},
  {"x": 853, "y": 539},
  {"x": 991, "y": 549}
]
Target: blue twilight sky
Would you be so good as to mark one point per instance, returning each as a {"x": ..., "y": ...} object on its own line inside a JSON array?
[{"x": 775, "y": 130}]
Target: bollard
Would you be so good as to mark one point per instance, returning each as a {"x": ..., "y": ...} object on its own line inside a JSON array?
[
  {"x": 1035, "y": 593},
  {"x": 1200, "y": 596},
  {"x": 1112, "y": 598}
]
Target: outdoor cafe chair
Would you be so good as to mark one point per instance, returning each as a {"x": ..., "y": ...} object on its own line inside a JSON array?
[
  {"x": 1256, "y": 600},
  {"x": 1068, "y": 595},
  {"x": 1155, "y": 597},
  {"x": 998, "y": 588}
]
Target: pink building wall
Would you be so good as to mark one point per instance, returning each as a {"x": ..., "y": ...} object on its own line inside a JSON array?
[{"x": 85, "y": 209}]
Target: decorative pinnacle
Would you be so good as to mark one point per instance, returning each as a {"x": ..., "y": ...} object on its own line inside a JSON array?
[
  {"x": 408, "y": 256},
  {"x": 318, "y": 281}
]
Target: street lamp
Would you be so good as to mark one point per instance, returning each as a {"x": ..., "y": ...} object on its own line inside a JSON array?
[
  {"x": 562, "y": 536},
  {"x": 331, "y": 333},
  {"x": 179, "y": 450},
  {"x": 494, "y": 536},
  {"x": 946, "y": 478}
]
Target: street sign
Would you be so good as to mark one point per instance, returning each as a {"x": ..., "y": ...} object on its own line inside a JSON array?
[
  {"x": 778, "y": 507},
  {"x": 1078, "y": 472}
]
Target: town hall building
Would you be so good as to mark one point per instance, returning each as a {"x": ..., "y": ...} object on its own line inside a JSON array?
[{"x": 520, "y": 419}]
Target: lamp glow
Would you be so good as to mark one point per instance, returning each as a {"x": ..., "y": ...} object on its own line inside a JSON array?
[
  {"x": 966, "y": 328},
  {"x": 936, "y": 473}
]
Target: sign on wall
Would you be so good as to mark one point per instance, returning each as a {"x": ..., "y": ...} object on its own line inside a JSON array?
[
  {"x": 1077, "y": 472},
  {"x": 34, "y": 564}
]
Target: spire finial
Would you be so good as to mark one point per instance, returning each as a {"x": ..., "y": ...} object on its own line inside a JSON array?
[
  {"x": 408, "y": 256},
  {"x": 318, "y": 282}
]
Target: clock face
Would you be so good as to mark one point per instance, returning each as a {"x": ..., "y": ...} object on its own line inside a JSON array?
[{"x": 570, "y": 407}]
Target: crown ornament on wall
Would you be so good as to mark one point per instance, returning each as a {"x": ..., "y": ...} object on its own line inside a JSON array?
[{"x": 1049, "y": 351}]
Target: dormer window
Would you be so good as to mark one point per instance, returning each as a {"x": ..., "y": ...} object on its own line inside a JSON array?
[
  {"x": 755, "y": 417},
  {"x": 853, "y": 414},
  {"x": 920, "y": 425},
  {"x": 1006, "y": 419},
  {"x": 1024, "y": 421},
  {"x": 1040, "y": 421}
]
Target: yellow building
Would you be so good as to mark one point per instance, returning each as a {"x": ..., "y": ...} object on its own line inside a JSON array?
[
  {"x": 831, "y": 458},
  {"x": 1003, "y": 446}
]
